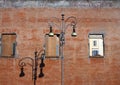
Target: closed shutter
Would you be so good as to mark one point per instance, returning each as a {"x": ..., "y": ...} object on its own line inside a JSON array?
[{"x": 8, "y": 44}]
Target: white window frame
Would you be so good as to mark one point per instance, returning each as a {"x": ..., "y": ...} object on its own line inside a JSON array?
[{"x": 99, "y": 40}]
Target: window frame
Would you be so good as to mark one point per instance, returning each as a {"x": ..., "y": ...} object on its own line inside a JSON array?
[
  {"x": 14, "y": 50},
  {"x": 97, "y": 43}
]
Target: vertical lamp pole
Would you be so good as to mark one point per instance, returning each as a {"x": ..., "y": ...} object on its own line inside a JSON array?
[{"x": 72, "y": 22}]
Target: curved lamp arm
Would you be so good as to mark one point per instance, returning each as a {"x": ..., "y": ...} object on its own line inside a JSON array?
[
  {"x": 51, "y": 23},
  {"x": 72, "y": 23},
  {"x": 72, "y": 17}
]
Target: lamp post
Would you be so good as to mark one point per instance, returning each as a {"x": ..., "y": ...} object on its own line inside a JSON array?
[
  {"x": 63, "y": 27},
  {"x": 34, "y": 65}
]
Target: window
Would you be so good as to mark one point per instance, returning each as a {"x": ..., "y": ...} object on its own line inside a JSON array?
[
  {"x": 52, "y": 45},
  {"x": 95, "y": 52},
  {"x": 8, "y": 44},
  {"x": 96, "y": 45}
]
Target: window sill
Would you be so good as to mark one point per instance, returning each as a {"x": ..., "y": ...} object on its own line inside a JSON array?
[
  {"x": 96, "y": 56},
  {"x": 9, "y": 56}
]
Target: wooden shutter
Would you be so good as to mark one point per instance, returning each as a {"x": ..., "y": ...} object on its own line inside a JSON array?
[
  {"x": 8, "y": 44},
  {"x": 52, "y": 46}
]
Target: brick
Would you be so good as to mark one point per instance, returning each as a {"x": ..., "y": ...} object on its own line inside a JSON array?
[{"x": 31, "y": 24}]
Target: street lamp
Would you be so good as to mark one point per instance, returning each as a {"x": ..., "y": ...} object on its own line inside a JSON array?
[
  {"x": 63, "y": 27},
  {"x": 34, "y": 65}
]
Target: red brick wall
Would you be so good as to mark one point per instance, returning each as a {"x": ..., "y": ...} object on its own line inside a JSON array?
[{"x": 30, "y": 25}]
